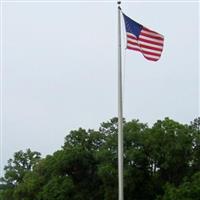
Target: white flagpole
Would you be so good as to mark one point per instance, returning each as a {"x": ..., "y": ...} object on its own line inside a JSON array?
[{"x": 120, "y": 112}]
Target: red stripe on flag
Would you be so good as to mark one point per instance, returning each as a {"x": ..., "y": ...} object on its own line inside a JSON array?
[
  {"x": 132, "y": 37},
  {"x": 149, "y": 47},
  {"x": 152, "y": 59},
  {"x": 152, "y": 36},
  {"x": 145, "y": 46},
  {"x": 151, "y": 53},
  {"x": 133, "y": 43},
  {"x": 146, "y": 29},
  {"x": 144, "y": 51},
  {"x": 150, "y": 42},
  {"x": 132, "y": 48},
  {"x": 149, "y": 58}
]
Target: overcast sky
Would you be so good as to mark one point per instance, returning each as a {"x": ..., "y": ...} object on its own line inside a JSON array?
[{"x": 60, "y": 69}]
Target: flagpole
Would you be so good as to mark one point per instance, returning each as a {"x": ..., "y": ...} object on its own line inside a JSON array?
[{"x": 120, "y": 112}]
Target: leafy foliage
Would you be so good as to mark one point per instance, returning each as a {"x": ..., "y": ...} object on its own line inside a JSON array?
[
  {"x": 161, "y": 162},
  {"x": 189, "y": 189}
]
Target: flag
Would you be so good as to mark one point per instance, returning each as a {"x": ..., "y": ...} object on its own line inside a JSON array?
[{"x": 144, "y": 40}]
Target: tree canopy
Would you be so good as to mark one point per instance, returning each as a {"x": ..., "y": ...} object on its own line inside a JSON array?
[{"x": 161, "y": 162}]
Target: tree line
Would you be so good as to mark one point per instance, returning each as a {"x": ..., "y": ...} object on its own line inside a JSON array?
[{"x": 161, "y": 162}]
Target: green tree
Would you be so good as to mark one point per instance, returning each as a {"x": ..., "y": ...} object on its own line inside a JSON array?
[
  {"x": 195, "y": 131},
  {"x": 170, "y": 150},
  {"x": 160, "y": 162},
  {"x": 138, "y": 179},
  {"x": 16, "y": 169},
  {"x": 189, "y": 189},
  {"x": 59, "y": 188}
]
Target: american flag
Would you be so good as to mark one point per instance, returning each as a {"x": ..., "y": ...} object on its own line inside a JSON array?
[{"x": 144, "y": 40}]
